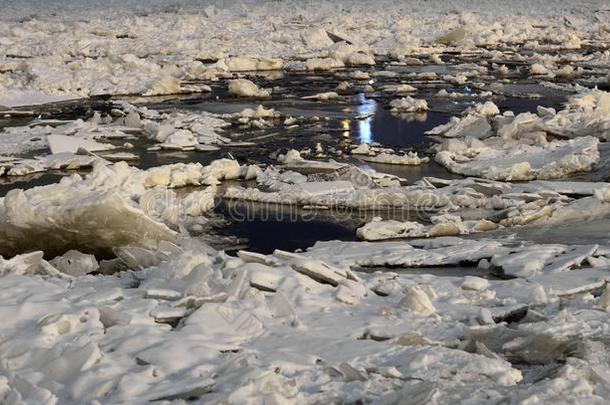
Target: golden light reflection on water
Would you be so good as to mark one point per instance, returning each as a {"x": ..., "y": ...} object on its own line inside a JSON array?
[{"x": 345, "y": 125}]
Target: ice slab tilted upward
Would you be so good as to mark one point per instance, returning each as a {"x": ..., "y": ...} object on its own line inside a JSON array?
[{"x": 91, "y": 221}]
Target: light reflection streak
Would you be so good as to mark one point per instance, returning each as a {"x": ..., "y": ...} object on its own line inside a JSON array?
[
  {"x": 345, "y": 125},
  {"x": 367, "y": 109}
]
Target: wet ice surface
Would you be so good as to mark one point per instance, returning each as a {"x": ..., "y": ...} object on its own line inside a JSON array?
[
  {"x": 311, "y": 245},
  {"x": 300, "y": 231},
  {"x": 343, "y": 120},
  {"x": 358, "y": 117}
]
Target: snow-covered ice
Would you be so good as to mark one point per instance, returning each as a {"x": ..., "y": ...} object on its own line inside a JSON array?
[
  {"x": 375, "y": 154},
  {"x": 486, "y": 144},
  {"x": 439, "y": 294},
  {"x": 192, "y": 324}
]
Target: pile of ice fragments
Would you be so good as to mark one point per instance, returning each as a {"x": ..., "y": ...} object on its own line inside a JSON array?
[
  {"x": 183, "y": 321},
  {"x": 211, "y": 321},
  {"x": 107, "y": 298},
  {"x": 67, "y": 54},
  {"x": 75, "y": 144},
  {"x": 547, "y": 145},
  {"x": 170, "y": 318}
]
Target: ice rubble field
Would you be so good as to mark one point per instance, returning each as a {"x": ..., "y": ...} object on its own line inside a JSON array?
[
  {"x": 96, "y": 52},
  {"x": 109, "y": 294}
]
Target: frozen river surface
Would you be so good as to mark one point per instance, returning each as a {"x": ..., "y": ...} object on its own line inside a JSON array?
[{"x": 304, "y": 202}]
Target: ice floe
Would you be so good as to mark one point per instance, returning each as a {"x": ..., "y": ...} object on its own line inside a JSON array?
[
  {"x": 113, "y": 206},
  {"x": 246, "y": 88},
  {"x": 408, "y": 105},
  {"x": 376, "y": 154},
  {"x": 506, "y": 147}
]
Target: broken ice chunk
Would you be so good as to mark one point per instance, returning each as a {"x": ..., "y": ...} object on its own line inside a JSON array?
[
  {"x": 474, "y": 283},
  {"x": 331, "y": 95},
  {"x": 529, "y": 260},
  {"x": 110, "y": 317},
  {"x": 71, "y": 144},
  {"x": 604, "y": 299},
  {"x": 28, "y": 263},
  {"x": 408, "y": 105},
  {"x": 75, "y": 263},
  {"x": 246, "y": 88},
  {"x": 452, "y": 37},
  {"x": 251, "y": 64},
  {"x": 493, "y": 159},
  {"x": 162, "y": 294},
  {"x": 417, "y": 300},
  {"x": 87, "y": 220},
  {"x": 168, "y": 314}
]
